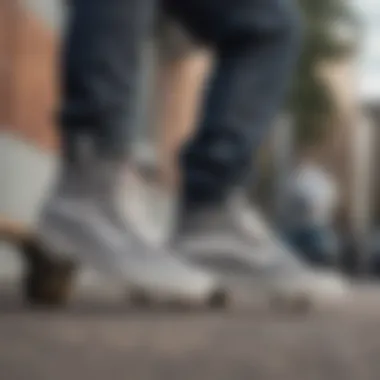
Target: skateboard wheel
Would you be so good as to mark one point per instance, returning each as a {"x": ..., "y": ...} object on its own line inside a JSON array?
[
  {"x": 302, "y": 304},
  {"x": 220, "y": 299},
  {"x": 140, "y": 299},
  {"x": 47, "y": 289},
  {"x": 47, "y": 282}
]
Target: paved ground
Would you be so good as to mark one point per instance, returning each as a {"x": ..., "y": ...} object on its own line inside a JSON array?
[{"x": 99, "y": 340}]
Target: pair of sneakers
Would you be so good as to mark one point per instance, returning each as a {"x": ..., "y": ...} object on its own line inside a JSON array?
[{"x": 212, "y": 250}]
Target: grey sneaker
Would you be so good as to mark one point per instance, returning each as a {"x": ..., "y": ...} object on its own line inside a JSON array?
[
  {"x": 236, "y": 243},
  {"x": 83, "y": 220}
]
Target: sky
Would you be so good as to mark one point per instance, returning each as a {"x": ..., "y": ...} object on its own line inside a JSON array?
[{"x": 369, "y": 57}]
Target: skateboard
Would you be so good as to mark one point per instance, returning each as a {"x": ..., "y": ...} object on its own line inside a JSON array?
[{"x": 47, "y": 280}]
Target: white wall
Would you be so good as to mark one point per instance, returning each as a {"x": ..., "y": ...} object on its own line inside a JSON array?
[
  {"x": 50, "y": 11},
  {"x": 25, "y": 173}
]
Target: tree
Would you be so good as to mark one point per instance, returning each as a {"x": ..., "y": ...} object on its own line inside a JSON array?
[{"x": 311, "y": 104}]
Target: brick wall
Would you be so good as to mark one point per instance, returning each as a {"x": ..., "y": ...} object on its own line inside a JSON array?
[
  {"x": 28, "y": 76},
  {"x": 5, "y": 61}
]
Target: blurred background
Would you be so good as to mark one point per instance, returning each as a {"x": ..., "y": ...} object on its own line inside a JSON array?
[{"x": 322, "y": 152}]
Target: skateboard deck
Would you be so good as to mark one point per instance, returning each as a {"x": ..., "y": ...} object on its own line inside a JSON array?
[
  {"x": 46, "y": 281},
  {"x": 49, "y": 280}
]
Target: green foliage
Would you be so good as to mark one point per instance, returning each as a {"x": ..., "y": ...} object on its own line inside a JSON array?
[{"x": 311, "y": 103}]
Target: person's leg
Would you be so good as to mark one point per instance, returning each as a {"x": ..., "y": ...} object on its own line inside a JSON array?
[
  {"x": 100, "y": 67},
  {"x": 182, "y": 67},
  {"x": 181, "y": 83},
  {"x": 257, "y": 43},
  {"x": 83, "y": 216}
]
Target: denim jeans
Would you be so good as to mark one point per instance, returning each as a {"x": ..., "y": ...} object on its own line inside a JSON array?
[
  {"x": 256, "y": 43},
  {"x": 318, "y": 245}
]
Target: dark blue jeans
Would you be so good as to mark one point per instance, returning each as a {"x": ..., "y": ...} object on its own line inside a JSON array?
[
  {"x": 318, "y": 245},
  {"x": 256, "y": 44}
]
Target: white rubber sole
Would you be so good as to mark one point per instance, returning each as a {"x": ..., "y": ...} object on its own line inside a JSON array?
[{"x": 162, "y": 278}]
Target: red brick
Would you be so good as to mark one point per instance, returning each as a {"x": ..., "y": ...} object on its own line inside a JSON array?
[{"x": 29, "y": 70}]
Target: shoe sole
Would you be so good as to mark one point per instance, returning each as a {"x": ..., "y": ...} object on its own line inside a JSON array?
[{"x": 276, "y": 293}]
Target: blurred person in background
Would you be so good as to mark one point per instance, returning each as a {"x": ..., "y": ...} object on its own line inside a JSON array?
[
  {"x": 256, "y": 44},
  {"x": 313, "y": 202}
]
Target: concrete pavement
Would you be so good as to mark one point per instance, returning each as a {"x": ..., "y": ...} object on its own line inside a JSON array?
[{"x": 103, "y": 338}]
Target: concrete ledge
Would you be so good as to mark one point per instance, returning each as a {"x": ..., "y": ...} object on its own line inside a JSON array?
[{"x": 99, "y": 340}]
